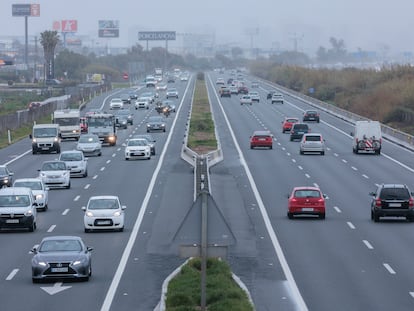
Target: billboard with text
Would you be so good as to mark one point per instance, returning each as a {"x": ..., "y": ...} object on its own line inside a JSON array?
[
  {"x": 32, "y": 9},
  {"x": 156, "y": 35},
  {"x": 108, "y": 29}
]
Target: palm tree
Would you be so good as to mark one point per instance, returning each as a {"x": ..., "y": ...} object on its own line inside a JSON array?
[{"x": 49, "y": 39}]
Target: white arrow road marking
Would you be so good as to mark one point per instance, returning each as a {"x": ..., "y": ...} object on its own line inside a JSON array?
[{"x": 56, "y": 288}]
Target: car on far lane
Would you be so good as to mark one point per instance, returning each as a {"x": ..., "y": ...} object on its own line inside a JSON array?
[
  {"x": 224, "y": 91},
  {"x": 312, "y": 142},
  {"x": 297, "y": 131},
  {"x": 104, "y": 212},
  {"x": 255, "y": 96},
  {"x": 137, "y": 148},
  {"x": 55, "y": 174},
  {"x": 6, "y": 176},
  {"x": 128, "y": 114},
  {"x": 255, "y": 84},
  {"x": 246, "y": 100},
  {"x": 306, "y": 201},
  {"x": 220, "y": 81},
  {"x": 150, "y": 139},
  {"x": 277, "y": 98},
  {"x": 39, "y": 190},
  {"x": 234, "y": 90},
  {"x": 261, "y": 139},
  {"x": 141, "y": 103},
  {"x": 90, "y": 145},
  {"x": 61, "y": 257},
  {"x": 116, "y": 103},
  {"x": 311, "y": 115},
  {"x": 76, "y": 162},
  {"x": 287, "y": 124},
  {"x": 172, "y": 92},
  {"x": 155, "y": 123}
]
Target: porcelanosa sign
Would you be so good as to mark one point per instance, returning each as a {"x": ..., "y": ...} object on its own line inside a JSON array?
[{"x": 156, "y": 35}]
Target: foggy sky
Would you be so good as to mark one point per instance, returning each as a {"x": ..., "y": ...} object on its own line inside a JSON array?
[{"x": 362, "y": 24}]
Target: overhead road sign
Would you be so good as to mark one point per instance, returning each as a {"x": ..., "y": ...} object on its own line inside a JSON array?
[{"x": 156, "y": 35}]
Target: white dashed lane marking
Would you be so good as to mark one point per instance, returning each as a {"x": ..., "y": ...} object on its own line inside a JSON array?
[
  {"x": 367, "y": 244},
  {"x": 52, "y": 227},
  {"x": 12, "y": 274},
  {"x": 350, "y": 225},
  {"x": 66, "y": 211},
  {"x": 389, "y": 269}
]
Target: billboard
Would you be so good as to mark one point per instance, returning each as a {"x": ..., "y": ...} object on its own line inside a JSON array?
[
  {"x": 69, "y": 25},
  {"x": 108, "y": 29},
  {"x": 26, "y": 9},
  {"x": 156, "y": 35}
]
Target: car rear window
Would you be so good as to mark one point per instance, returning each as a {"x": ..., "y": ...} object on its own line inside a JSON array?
[
  {"x": 394, "y": 194},
  {"x": 300, "y": 126},
  {"x": 307, "y": 194},
  {"x": 313, "y": 138},
  {"x": 291, "y": 120}
]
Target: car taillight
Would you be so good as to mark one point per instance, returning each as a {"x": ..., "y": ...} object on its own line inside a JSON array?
[
  {"x": 321, "y": 200},
  {"x": 411, "y": 203},
  {"x": 378, "y": 202}
]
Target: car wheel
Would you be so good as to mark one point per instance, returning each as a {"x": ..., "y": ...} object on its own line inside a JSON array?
[
  {"x": 35, "y": 281},
  {"x": 251, "y": 147},
  {"x": 87, "y": 230},
  {"x": 68, "y": 186},
  {"x": 45, "y": 208},
  {"x": 121, "y": 229},
  {"x": 290, "y": 215},
  {"x": 34, "y": 151},
  {"x": 322, "y": 216},
  {"x": 271, "y": 147},
  {"x": 85, "y": 174},
  {"x": 58, "y": 150},
  {"x": 32, "y": 227},
  {"x": 126, "y": 159},
  {"x": 291, "y": 139},
  {"x": 301, "y": 152},
  {"x": 372, "y": 215},
  {"x": 322, "y": 152},
  {"x": 376, "y": 217}
]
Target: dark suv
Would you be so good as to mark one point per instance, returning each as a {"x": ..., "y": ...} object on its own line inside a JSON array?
[
  {"x": 392, "y": 200},
  {"x": 297, "y": 131}
]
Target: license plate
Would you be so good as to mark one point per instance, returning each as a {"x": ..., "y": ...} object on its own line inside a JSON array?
[
  {"x": 394, "y": 205},
  {"x": 12, "y": 221},
  {"x": 262, "y": 139},
  {"x": 64, "y": 269},
  {"x": 307, "y": 209},
  {"x": 104, "y": 222}
]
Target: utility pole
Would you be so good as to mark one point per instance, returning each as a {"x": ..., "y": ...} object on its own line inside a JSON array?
[{"x": 296, "y": 38}]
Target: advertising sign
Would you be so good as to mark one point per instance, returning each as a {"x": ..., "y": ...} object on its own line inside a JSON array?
[
  {"x": 69, "y": 26},
  {"x": 156, "y": 35},
  {"x": 108, "y": 29},
  {"x": 26, "y": 9}
]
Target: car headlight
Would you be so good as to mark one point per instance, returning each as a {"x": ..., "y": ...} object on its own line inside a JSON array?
[
  {"x": 89, "y": 214},
  {"x": 39, "y": 196},
  {"x": 40, "y": 263},
  {"x": 117, "y": 213},
  {"x": 148, "y": 125},
  {"x": 76, "y": 262},
  {"x": 28, "y": 213},
  {"x": 56, "y": 139},
  {"x": 163, "y": 124},
  {"x": 34, "y": 140}
]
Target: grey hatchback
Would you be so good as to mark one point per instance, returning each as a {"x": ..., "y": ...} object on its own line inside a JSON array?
[{"x": 297, "y": 131}]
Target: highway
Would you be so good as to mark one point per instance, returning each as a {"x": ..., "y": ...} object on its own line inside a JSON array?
[{"x": 345, "y": 262}]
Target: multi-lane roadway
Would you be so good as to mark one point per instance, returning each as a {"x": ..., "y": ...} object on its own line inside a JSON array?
[{"x": 345, "y": 262}]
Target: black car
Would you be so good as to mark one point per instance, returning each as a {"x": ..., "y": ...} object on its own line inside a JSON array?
[
  {"x": 310, "y": 115},
  {"x": 392, "y": 200},
  {"x": 155, "y": 123},
  {"x": 121, "y": 121},
  {"x": 61, "y": 257},
  {"x": 297, "y": 131},
  {"x": 127, "y": 113},
  {"x": 6, "y": 176},
  {"x": 126, "y": 99},
  {"x": 270, "y": 94}
]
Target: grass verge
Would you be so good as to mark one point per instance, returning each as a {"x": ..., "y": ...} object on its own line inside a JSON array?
[
  {"x": 201, "y": 137},
  {"x": 223, "y": 293}
]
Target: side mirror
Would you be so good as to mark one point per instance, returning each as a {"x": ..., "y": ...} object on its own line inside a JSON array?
[
  {"x": 83, "y": 208},
  {"x": 89, "y": 249},
  {"x": 352, "y": 134},
  {"x": 34, "y": 250},
  {"x": 30, "y": 136},
  {"x": 372, "y": 193},
  {"x": 123, "y": 207},
  {"x": 288, "y": 195}
]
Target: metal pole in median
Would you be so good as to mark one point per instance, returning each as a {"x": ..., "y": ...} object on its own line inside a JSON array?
[{"x": 204, "y": 195}]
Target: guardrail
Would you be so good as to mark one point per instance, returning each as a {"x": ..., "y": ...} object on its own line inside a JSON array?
[{"x": 403, "y": 139}]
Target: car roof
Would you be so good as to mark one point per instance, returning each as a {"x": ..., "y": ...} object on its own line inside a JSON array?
[
  {"x": 28, "y": 179},
  {"x": 394, "y": 186},
  {"x": 62, "y": 237},
  {"x": 262, "y": 133},
  {"x": 106, "y": 197},
  {"x": 312, "y": 134},
  {"x": 15, "y": 190},
  {"x": 71, "y": 151},
  {"x": 306, "y": 188}
]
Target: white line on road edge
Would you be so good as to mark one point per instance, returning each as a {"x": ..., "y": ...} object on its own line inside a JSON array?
[
  {"x": 131, "y": 241},
  {"x": 367, "y": 244},
  {"x": 298, "y": 299},
  {"x": 388, "y": 267},
  {"x": 12, "y": 274}
]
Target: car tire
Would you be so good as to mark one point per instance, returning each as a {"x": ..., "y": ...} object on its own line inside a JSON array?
[
  {"x": 251, "y": 147},
  {"x": 45, "y": 208},
  {"x": 322, "y": 216},
  {"x": 58, "y": 150},
  {"x": 87, "y": 230},
  {"x": 34, "y": 151},
  {"x": 32, "y": 227},
  {"x": 271, "y": 147},
  {"x": 127, "y": 159},
  {"x": 35, "y": 281},
  {"x": 85, "y": 174},
  {"x": 376, "y": 217},
  {"x": 68, "y": 186},
  {"x": 322, "y": 152},
  {"x": 290, "y": 215},
  {"x": 121, "y": 229},
  {"x": 291, "y": 139}
]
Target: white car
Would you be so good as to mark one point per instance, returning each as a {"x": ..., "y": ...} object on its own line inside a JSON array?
[
  {"x": 312, "y": 142},
  {"x": 172, "y": 93},
  {"x": 104, "y": 213},
  {"x": 141, "y": 103},
  {"x": 246, "y": 100},
  {"x": 39, "y": 190},
  {"x": 55, "y": 174},
  {"x": 76, "y": 162},
  {"x": 116, "y": 103},
  {"x": 90, "y": 145},
  {"x": 161, "y": 87},
  {"x": 137, "y": 148},
  {"x": 255, "y": 96}
]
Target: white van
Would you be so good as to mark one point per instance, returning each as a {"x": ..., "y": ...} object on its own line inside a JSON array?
[
  {"x": 367, "y": 137},
  {"x": 45, "y": 138}
]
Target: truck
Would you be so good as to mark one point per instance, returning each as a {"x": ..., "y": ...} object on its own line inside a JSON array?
[
  {"x": 158, "y": 74},
  {"x": 367, "y": 137},
  {"x": 104, "y": 126},
  {"x": 69, "y": 122},
  {"x": 45, "y": 138}
]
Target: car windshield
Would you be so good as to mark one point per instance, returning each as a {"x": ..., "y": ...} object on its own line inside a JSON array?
[
  {"x": 54, "y": 166},
  {"x": 155, "y": 119},
  {"x": 137, "y": 142},
  {"x": 394, "y": 193},
  {"x": 88, "y": 139},
  {"x": 301, "y": 127},
  {"x": 103, "y": 204},
  {"x": 60, "y": 246},
  {"x": 72, "y": 156},
  {"x": 311, "y": 112},
  {"x": 3, "y": 171},
  {"x": 14, "y": 200},
  {"x": 307, "y": 194},
  {"x": 45, "y": 132},
  {"x": 34, "y": 185}
]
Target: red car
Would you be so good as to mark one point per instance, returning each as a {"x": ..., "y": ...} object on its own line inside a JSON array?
[
  {"x": 288, "y": 123},
  {"x": 83, "y": 125},
  {"x": 243, "y": 90},
  {"x": 306, "y": 201},
  {"x": 261, "y": 139}
]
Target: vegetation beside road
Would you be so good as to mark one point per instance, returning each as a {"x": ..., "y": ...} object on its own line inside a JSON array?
[
  {"x": 223, "y": 293},
  {"x": 202, "y": 137},
  {"x": 386, "y": 95}
]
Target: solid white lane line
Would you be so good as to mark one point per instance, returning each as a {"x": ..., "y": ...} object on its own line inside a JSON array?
[
  {"x": 388, "y": 267},
  {"x": 337, "y": 209},
  {"x": 65, "y": 212},
  {"x": 52, "y": 227},
  {"x": 12, "y": 274},
  {"x": 350, "y": 225},
  {"x": 367, "y": 244},
  {"x": 76, "y": 198},
  {"x": 87, "y": 186}
]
